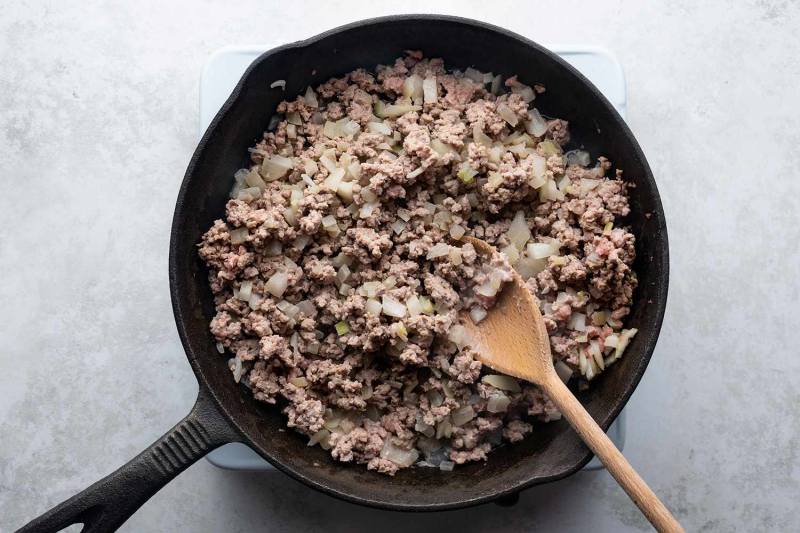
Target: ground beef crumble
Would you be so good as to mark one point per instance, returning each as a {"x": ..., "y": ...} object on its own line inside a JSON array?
[{"x": 338, "y": 275}]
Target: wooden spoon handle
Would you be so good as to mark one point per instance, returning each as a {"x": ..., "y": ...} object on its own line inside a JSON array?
[{"x": 594, "y": 437}]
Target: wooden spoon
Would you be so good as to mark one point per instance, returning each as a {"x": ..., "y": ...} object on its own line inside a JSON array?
[{"x": 512, "y": 339}]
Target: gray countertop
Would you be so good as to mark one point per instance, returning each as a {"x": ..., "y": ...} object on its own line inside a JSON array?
[{"x": 98, "y": 113}]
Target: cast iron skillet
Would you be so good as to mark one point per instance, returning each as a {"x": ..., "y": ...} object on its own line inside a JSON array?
[{"x": 225, "y": 412}]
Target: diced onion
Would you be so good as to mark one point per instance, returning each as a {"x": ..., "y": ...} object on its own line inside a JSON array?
[
  {"x": 624, "y": 338},
  {"x": 397, "y": 455},
  {"x": 498, "y": 403},
  {"x": 527, "y": 267},
  {"x": 328, "y": 222},
  {"x": 369, "y": 196},
  {"x": 253, "y": 179},
  {"x": 576, "y": 322},
  {"x": 486, "y": 290},
  {"x": 473, "y": 74},
  {"x": 455, "y": 255},
  {"x": 563, "y": 370},
  {"x": 239, "y": 236},
  {"x": 237, "y": 370},
  {"x": 438, "y": 250},
  {"x": 457, "y": 231},
  {"x": 537, "y": 126},
  {"x": 379, "y": 127},
  {"x": 429, "y": 87},
  {"x": 539, "y": 168},
  {"x": 502, "y": 382},
  {"x": 477, "y": 314},
  {"x": 463, "y": 415},
  {"x": 367, "y": 209},
  {"x": 399, "y": 110},
  {"x": 479, "y": 136},
  {"x": 318, "y": 437},
  {"x": 507, "y": 114},
  {"x": 412, "y": 87},
  {"x": 278, "y": 83},
  {"x": 496, "y": 83},
  {"x": 392, "y": 307},
  {"x": 334, "y": 179},
  {"x": 342, "y": 328},
  {"x": 299, "y": 382},
  {"x": 294, "y": 118},
  {"x": 311, "y": 98},
  {"x": 458, "y": 335},
  {"x": 518, "y": 232},
  {"x": 414, "y": 173},
  {"x": 511, "y": 252},
  {"x": 414, "y": 306},
  {"x": 245, "y": 290},
  {"x": 373, "y": 307},
  {"x": 276, "y": 285},
  {"x": 351, "y": 128}
]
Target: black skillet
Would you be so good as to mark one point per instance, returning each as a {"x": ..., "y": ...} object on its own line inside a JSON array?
[{"x": 225, "y": 412}]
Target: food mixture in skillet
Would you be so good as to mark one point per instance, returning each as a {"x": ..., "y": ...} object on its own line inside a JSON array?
[{"x": 338, "y": 272}]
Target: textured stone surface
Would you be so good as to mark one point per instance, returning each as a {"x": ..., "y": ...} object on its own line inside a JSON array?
[{"x": 98, "y": 110}]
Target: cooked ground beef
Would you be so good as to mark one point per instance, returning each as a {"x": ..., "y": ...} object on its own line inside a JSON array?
[{"x": 338, "y": 274}]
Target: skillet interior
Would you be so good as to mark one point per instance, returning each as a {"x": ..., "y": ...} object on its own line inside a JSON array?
[{"x": 554, "y": 451}]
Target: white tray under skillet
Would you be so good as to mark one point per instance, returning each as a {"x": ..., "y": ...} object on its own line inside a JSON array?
[{"x": 222, "y": 72}]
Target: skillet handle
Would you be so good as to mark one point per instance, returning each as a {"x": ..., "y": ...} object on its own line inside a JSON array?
[{"x": 106, "y": 505}]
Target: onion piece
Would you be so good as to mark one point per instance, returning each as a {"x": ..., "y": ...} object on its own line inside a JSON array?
[
  {"x": 507, "y": 114},
  {"x": 300, "y": 382},
  {"x": 334, "y": 179},
  {"x": 237, "y": 370},
  {"x": 479, "y": 136},
  {"x": 318, "y": 437},
  {"x": 576, "y": 322},
  {"x": 429, "y": 90},
  {"x": 563, "y": 370},
  {"x": 502, "y": 382},
  {"x": 477, "y": 314},
  {"x": 399, "y": 110},
  {"x": 239, "y": 236},
  {"x": 473, "y": 74},
  {"x": 463, "y": 415},
  {"x": 496, "y": 83},
  {"x": 276, "y": 285},
  {"x": 373, "y": 307},
  {"x": 498, "y": 403},
  {"x": 537, "y": 126},
  {"x": 458, "y": 335},
  {"x": 310, "y": 98},
  {"x": 518, "y": 232},
  {"x": 392, "y": 307},
  {"x": 278, "y": 83},
  {"x": 397, "y": 455},
  {"x": 486, "y": 290},
  {"x": 624, "y": 338},
  {"x": 253, "y": 179},
  {"x": 342, "y": 328},
  {"x": 414, "y": 306},
  {"x": 379, "y": 127},
  {"x": 438, "y": 250},
  {"x": 455, "y": 255},
  {"x": 367, "y": 209},
  {"x": 511, "y": 252}
]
